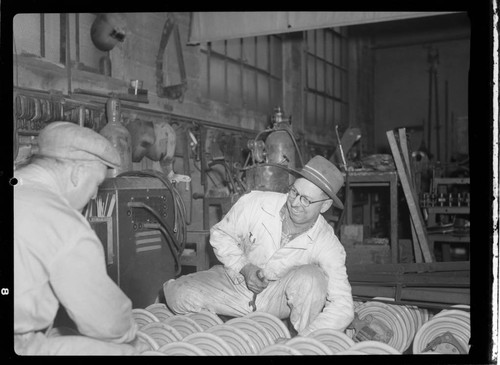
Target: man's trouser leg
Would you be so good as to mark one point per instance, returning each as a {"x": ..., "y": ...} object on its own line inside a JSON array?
[
  {"x": 300, "y": 294},
  {"x": 211, "y": 290}
]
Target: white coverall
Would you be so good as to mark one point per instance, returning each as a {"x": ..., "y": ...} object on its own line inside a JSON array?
[
  {"x": 58, "y": 259},
  {"x": 307, "y": 275}
]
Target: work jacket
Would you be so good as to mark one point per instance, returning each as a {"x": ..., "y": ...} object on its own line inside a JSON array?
[
  {"x": 58, "y": 259},
  {"x": 251, "y": 232}
]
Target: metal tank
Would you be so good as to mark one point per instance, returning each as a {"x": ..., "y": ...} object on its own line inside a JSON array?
[
  {"x": 118, "y": 135},
  {"x": 273, "y": 157}
]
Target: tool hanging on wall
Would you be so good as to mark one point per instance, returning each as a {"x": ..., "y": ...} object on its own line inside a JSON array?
[
  {"x": 175, "y": 92},
  {"x": 107, "y": 30}
]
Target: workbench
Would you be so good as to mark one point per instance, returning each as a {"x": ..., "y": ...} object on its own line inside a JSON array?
[
  {"x": 378, "y": 178},
  {"x": 446, "y": 240}
]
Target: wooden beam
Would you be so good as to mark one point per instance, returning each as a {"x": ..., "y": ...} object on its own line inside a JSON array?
[
  {"x": 407, "y": 268},
  {"x": 443, "y": 279},
  {"x": 404, "y": 147},
  {"x": 415, "y": 213},
  {"x": 424, "y": 297},
  {"x": 439, "y": 295}
]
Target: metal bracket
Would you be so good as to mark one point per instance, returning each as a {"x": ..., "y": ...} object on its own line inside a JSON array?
[
  {"x": 370, "y": 329},
  {"x": 180, "y": 178},
  {"x": 445, "y": 344},
  {"x": 175, "y": 92}
]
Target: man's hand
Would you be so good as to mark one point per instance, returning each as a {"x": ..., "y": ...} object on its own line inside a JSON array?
[{"x": 255, "y": 280}]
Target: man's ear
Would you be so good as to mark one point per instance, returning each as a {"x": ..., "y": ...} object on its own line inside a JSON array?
[
  {"x": 326, "y": 205},
  {"x": 76, "y": 172}
]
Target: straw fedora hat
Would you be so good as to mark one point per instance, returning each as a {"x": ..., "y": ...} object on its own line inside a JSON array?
[{"x": 324, "y": 175}]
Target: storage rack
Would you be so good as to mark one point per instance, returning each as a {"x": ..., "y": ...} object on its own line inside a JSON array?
[{"x": 441, "y": 202}]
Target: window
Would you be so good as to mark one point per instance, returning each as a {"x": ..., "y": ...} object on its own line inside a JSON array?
[
  {"x": 244, "y": 72},
  {"x": 45, "y": 35},
  {"x": 325, "y": 78}
]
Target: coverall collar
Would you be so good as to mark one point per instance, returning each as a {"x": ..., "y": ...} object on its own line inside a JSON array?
[
  {"x": 41, "y": 179},
  {"x": 273, "y": 209}
]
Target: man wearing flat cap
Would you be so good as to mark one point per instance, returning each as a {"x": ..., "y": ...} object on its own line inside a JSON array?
[
  {"x": 58, "y": 259},
  {"x": 279, "y": 250}
]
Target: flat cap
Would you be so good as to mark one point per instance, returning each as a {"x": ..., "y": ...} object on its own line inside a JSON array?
[{"x": 68, "y": 140}]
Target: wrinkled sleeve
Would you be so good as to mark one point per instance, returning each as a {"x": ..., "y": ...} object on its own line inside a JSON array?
[
  {"x": 226, "y": 237},
  {"x": 338, "y": 312},
  {"x": 94, "y": 302}
]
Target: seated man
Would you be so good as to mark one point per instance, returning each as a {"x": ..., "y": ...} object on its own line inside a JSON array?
[
  {"x": 58, "y": 258},
  {"x": 279, "y": 247}
]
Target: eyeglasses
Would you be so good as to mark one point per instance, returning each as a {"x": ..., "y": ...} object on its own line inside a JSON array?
[{"x": 293, "y": 193}]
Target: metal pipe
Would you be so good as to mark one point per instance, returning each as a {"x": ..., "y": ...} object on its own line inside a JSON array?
[
  {"x": 42, "y": 34},
  {"x": 446, "y": 137},
  {"x": 77, "y": 37},
  {"x": 68, "y": 55},
  {"x": 429, "y": 111},
  {"x": 423, "y": 40},
  {"x": 347, "y": 187},
  {"x": 340, "y": 147},
  {"x": 438, "y": 139}
]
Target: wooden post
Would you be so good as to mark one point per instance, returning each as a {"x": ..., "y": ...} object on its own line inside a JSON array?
[
  {"x": 404, "y": 147},
  {"x": 415, "y": 213}
]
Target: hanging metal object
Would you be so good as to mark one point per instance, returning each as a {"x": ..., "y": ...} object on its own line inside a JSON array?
[
  {"x": 118, "y": 135},
  {"x": 107, "y": 30},
  {"x": 143, "y": 137},
  {"x": 273, "y": 158},
  {"x": 174, "y": 92}
]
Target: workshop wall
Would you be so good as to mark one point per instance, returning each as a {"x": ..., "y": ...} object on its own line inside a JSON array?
[
  {"x": 403, "y": 71},
  {"x": 376, "y": 75},
  {"x": 135, "y": 58},
  {"x": 39, "y": 65}
]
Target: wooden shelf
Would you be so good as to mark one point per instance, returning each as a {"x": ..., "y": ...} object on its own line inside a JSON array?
[
  {"x": 378, "y": 178},
  {"x": 436, "y": 284}
]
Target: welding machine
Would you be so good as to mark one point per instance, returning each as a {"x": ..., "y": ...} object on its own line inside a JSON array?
[{"x": 135, "y": 218}]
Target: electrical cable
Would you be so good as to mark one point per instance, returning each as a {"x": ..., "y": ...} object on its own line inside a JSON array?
[
  {"x": 229, "y": 176},
  {"x": 187, "y": 171},
  {"x": 176, "y": 255},
  {"x": 164, "y": 224},
  {"x": 179, "y": 228},
  {"x": 210, "y": 177}
]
